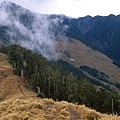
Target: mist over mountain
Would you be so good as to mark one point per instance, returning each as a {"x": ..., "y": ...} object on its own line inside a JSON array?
[
  {"x": 34, "y": 31},
  {"x": 40, "y": 32}
]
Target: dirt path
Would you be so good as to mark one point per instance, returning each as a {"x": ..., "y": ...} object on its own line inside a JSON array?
[{"x": 74, "y": 115}]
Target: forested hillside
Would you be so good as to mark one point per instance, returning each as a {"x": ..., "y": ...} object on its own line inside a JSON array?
[
  {"x": 57, "y": 83},
  {"x": 78, "y": 54},
  {"x": 18, "y": 102}
]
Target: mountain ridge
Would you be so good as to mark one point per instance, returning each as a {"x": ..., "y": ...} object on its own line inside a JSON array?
[{"x": 100, "y": 33}]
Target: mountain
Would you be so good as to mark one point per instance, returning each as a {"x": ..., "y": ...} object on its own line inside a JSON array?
[
  {"x": 100, "y": 33},
  {"x": 31, "y": 30},
  {"x": 45, "y": 33},
  {"x": 25, "y": 27},
  {"x": 74, "y": 48}
]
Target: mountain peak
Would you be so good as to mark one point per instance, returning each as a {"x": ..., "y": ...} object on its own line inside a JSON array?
[{"x": 9, "y": 5}]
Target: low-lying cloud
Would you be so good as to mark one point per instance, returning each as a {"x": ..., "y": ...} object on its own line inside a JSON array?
[{"x": 37, "y": 30}]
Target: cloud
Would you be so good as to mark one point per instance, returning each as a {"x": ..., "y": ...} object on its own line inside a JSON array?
[
  {"x": 38, "y": 35},
  {"x": 40, "y": 39},
  {"x": 3, "y": 18}
]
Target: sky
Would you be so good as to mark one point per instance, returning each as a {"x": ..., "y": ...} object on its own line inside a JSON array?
[{"x": 72, "y": 8}]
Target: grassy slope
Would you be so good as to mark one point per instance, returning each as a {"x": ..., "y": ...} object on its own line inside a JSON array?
[
  {"x": 17, "y": 102},
  {"x": 10, "y": 84},
  {"x": 84, "y": 55},
  {"x": 47, "y": 109}
]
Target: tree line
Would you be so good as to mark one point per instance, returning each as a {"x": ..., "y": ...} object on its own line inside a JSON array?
[{"x": 55, "y": 82}]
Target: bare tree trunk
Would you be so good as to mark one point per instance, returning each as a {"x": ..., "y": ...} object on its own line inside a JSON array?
[
  {"x": 14, "y": 65},
  {"x": 38, "y": 90},
  {"x": 49, "y": 87},
  {"x": 22, "y": 73}
]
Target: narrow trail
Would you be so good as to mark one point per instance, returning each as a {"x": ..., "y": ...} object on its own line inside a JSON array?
[{"x": 21, "y": 90}]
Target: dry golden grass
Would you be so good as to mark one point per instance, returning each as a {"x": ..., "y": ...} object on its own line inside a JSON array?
[
  {"x": 10, "y": 84},
  {"x": 24, "y": 105},
  {"x": 43, "y": 109}
]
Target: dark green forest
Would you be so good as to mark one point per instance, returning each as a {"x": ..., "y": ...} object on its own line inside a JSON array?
[{"x": 58, "y": 82}]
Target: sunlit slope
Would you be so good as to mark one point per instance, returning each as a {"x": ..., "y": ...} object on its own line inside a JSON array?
[
  {"x": 47, "y": 109},
  {"x": 10, "y": 84},
  {"x": 85, "y": 56}
]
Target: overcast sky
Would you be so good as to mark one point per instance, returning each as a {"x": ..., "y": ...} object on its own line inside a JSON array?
[{"x": 72, "y": 8}]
